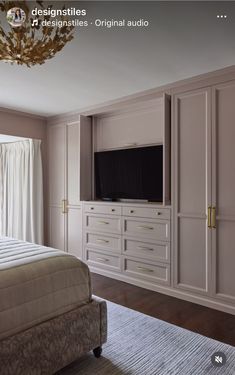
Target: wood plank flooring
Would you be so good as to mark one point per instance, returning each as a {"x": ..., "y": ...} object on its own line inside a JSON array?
[{"x": 208, "y": 322}]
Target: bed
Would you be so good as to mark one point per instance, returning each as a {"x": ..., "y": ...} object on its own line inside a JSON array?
[{"x": 48, "y": 317}]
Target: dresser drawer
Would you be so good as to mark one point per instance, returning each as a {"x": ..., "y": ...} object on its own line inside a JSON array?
[
  {"x": 147, "y": 250},
  {"x": 108, "y": 243},
  {"x": 103, "y": 223},
  {"x": 148, "y": 212},
  {"x": 151, "y": 272},
  {"x": 158, "y": 230},
  {"x": 96, "y": 258},
  {"x": 103, "y": 209}
]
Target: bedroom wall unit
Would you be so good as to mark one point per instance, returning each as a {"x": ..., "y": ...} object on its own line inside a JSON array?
[
  {"x": 183, "y": 247},
  {"x": 69, "y": 150}
]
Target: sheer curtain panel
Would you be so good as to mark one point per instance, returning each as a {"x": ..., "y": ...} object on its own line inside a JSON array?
[{"x": 21, "y": 190}]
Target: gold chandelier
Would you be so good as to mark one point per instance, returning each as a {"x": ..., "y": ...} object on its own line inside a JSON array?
[{"x": 27, "y": 42}]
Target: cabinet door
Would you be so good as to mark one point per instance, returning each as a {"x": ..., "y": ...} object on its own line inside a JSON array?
[
  {"x": 74, "y": 231},
  {"x": 73, "y": 163},
  {"x": 137, "y": 126},
  {"x": 192, "y": 190},
  {"x": 224, "y": 190},
  {"x": 56, "y": 180},
  {"x": 57, "y": 163},
  {"x": 57, "y": 229}
]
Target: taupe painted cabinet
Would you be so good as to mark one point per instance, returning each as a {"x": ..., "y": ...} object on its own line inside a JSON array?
[
  {"x": 204, "y": 188},
  {"x": 69, "y": 178}
]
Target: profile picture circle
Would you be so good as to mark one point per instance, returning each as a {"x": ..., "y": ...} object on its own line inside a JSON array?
[{"x": 16, "y": 17}]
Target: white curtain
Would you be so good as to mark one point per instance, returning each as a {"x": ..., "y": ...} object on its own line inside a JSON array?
[{"x": 21, "y": 191}]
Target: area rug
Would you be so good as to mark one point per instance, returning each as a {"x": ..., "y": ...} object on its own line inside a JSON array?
[{"x": 142, "y": 345}]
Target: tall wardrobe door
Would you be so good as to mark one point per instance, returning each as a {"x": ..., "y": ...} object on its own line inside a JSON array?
[
  {"x": 192, "y": 190},
  {"x": 74, "y": 214},
  {"x": 56, "y": 180},
  {"x": 74, "y": 231},
  {"x": 73, "y": 163},
  {"x": 224, "y": 191}
]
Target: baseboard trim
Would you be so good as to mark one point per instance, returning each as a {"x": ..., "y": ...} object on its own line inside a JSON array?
[{"x": 170, "y": 291}]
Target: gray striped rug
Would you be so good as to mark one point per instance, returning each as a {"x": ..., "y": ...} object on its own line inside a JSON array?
[{"x": 141, "y": 345}]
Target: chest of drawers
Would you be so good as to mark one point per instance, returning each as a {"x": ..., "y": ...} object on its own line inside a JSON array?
[{"x": 132, "y": 240}]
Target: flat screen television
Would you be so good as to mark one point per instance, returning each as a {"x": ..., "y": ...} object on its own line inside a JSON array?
[{"x": 135, "y": 173}]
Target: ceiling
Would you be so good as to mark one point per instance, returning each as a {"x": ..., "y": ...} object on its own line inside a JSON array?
[{"x": 184, "y": 39}]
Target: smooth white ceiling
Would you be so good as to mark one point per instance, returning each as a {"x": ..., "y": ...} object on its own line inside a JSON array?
[{"x": 184, "y": 39}]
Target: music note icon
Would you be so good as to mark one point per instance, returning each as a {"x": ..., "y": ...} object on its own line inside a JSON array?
[{"x": 35, "y": 23}]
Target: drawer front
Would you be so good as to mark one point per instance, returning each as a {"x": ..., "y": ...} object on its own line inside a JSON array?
[
  {"x": 157, "y": 230},
  {"x": 148, "y": 212},
  {"x": 105, "y": 242},
  {"x": 156, "y": 273},
  {"x": 103, "y": 223},
  {"x": 147, "y": 250},
  {"x": 103, "y": 209},
  {"x": 96, "y": 258}
]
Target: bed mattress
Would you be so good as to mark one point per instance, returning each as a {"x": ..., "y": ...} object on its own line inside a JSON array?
[{"x": 38, "y": 283}]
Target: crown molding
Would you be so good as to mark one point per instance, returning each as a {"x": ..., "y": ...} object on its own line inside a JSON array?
[{"x": 21, "y": 113}]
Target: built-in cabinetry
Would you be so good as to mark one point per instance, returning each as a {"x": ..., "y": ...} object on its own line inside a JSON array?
[
  {"x": 129, "y": 240},
  {"x": 204, "y": 185},
  {"x": 69, "y": 181},
  {"x": 184, "y": 246}
]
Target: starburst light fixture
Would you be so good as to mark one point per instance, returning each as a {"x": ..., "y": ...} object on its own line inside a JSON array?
[{"x": 27, "y": 39}]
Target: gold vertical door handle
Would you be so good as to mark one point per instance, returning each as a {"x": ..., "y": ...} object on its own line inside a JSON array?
[
  {"x": 64, "y": 206},
  {"x": 213, "y": 217},
  {"x": 209, "y": 217}
]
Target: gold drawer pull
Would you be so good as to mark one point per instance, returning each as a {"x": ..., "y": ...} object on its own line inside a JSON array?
[
  {"x": 145, "y": 269},
  {"x": 103, "y": 259},
  {"x": 145, "y": 248},
  {"x": 144, "y": 227},
  {"x": 103, "y": 222},
  {"x": 102, "y": 241}
]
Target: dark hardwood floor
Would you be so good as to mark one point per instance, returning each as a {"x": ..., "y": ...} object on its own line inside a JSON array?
[{"x": 208, "y": 322}]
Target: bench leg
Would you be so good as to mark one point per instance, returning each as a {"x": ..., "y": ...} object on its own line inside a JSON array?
[{"x": 97, "y": 352}]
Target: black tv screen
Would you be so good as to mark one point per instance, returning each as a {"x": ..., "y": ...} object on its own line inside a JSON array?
[{"x": 135, "y": 173}]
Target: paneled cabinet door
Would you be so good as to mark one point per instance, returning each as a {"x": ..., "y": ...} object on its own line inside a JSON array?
[
  {"x": 57, "y": 188},
  {"x": 57, "y": 163},
  {"x": 74, "y": 231},
  {"x": 192, "y": 190},
  {"x": 73, "y": 163},
  {"x": 57, "y": 228},
  {"x": 223, "y": 236},
  {"x": 143, "y": 125}
]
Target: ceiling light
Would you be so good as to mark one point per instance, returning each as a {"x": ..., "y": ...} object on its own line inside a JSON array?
[{"x": 27, "y": 39}]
